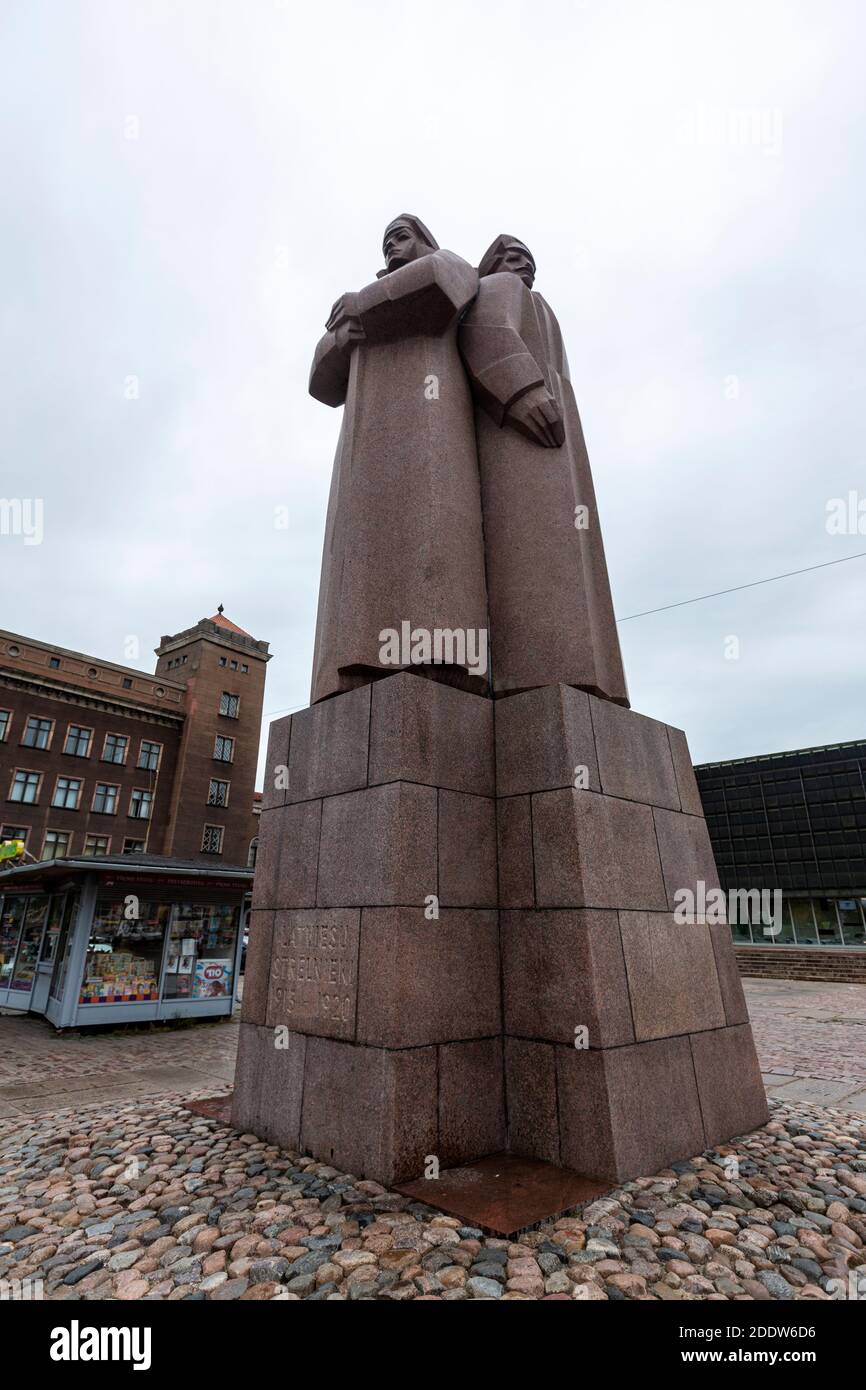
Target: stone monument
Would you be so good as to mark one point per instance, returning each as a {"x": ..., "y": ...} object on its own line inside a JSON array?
[{"x": 463, "y": 939}]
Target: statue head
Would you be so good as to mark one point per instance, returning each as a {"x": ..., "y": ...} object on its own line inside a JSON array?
[
  {"x": 406, "y": 239},
  {"x": 508, "y": 254}
]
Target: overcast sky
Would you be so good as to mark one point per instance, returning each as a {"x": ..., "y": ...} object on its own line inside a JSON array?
[{"x": 188, "y": 186}]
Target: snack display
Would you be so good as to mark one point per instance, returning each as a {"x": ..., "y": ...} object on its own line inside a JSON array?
[
  {"x": 119, "y": 977},
  {"x": 213, "y": 979}
]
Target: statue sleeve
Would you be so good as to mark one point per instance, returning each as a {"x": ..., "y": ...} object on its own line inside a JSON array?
[
  {"x": 500, "y": 366},
  {"x": 329, "y": 375},
  {"x": 424, "y": 296}
]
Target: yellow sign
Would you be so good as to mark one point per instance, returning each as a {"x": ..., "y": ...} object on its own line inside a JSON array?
[{"x": 11, "y": 849}]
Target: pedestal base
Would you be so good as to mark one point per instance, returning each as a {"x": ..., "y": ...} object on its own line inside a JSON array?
[{"x": 462, "y": 940}]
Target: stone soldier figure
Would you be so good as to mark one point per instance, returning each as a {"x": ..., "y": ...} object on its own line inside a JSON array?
[
  {"x": 403, "y": 540},
  {"x": 551, "y": 615}
]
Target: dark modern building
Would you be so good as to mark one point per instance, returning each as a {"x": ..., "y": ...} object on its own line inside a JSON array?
[
  {"x": 796, "y": 822},
  {"x": 100, "y": 759}
]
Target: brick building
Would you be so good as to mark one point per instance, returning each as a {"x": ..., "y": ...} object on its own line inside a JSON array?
[{"x": 97, "y": 758}]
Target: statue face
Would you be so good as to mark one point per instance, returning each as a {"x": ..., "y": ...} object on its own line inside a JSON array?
[
  {"x": 402, "y": 245},
  {"x": 515, "y": 260}
]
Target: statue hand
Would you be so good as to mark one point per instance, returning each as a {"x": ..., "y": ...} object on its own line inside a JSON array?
[
  {"x": 344, "y": 321},
  {"x": 538, "y": 416}
]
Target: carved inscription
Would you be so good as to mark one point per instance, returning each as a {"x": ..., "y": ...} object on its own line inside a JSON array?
[{"x": 314, "y": 972}]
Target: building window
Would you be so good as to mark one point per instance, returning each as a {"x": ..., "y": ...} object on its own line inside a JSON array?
[
  {"x": 14, "y": 832},
  {"x": 244, "y": 668},
  {"x": 105, "y": 799},
  {"x": 140, "y": 803},
  {"x": 5, "y": 721},
  {"x": 230, "y": 704},
  {"x": 54, "y": 663},
  {"x": 251, "y": 856},
  {"x": 148, "y": 755},
  {"x": 37, "y": 732},
  {"x": 233, "y": 665},
  {"x": 212, "y": 839},
  {"x": 25, "y": 787},
  {"x": 224, "y": 749},
  {"x": 114, "y": 748},
  {"x": 67, "y": 791},
  {"x": 96, "y": 844},
  {"x": 133, "y": 846},
  {"x": 55, "y": 844},
  {"x": 222, "y": 661},
  {"x": 126, "y": 683},
  {"x": 218, "y": 793},
  {"x": 78, "y": 741}
]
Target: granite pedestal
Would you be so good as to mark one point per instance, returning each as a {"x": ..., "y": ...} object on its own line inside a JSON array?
[{"x": 452, "y": 892}]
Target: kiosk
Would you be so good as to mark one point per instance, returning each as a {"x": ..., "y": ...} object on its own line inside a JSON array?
[{"x": 124, "y": 939}]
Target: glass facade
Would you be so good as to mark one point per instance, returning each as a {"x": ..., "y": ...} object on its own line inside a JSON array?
[
  {"x": 124, "y": 952},
  {"x": 127, "y": 951},
  {"x": 201, "y": 952},
  {"x": 796, "y": 822}
]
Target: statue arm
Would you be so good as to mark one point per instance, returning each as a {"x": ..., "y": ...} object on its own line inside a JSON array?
[
  {"x": 499, "y": 364},
  {"x": 329, "y": 375},
  {"x": 424, "y": 296},
  {"x": 506, "y": 379}
]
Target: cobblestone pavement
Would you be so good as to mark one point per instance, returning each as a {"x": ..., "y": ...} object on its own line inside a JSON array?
[
  {"x": 145, "y": 1200},
  {"x": 110, "y": 1189}
]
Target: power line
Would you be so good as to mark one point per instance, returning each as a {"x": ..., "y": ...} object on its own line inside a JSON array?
[
  {"x": 737, "y": 587},
  {"x": 683, "y": 603}
]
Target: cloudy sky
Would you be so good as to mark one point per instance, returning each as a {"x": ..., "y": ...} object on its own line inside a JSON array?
[{"x": 189, "y": 184}]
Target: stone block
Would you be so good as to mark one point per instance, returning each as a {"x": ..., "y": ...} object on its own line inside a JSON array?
[
  {"x": 298, "y": 827},
  {"x": 530, "y": 1098},
  {"x": 595, "y": 851},
  {"x": 471, "y": 1101},
  {"x": 370, "y": 1111},
  {"x": 563, "y": 970},
  {"x": 378, "y": 846},
  {"x": 267, "y": 859},
  {"x": 687, "y": 783},
  {"x": 424, "y": 981},
  {"x": 730, "y": 983},
  {"x": 634, "y": 756},
  {"x": 314, "y": 971},
  {"x": 626, "y": 1112},
  {"x": 467, "y": 850},
  {"x": 258, "y": 968},
  {"x": 252, "y": 1039},
  {"x": 514, "y": 852},
  {"x": 329, "y": 746},
  {"x": 733, "y": 1099},
  {"x": 686, "y": 855},
  {"x": 268, "y": 1085},
  {"x": 424, "y": 731},
  {"x": 279, "y": 735},
  {"x": 672, "y": 976},
  {"x": 282, "y": 1088},
  {"x": 542, "y": 736}
]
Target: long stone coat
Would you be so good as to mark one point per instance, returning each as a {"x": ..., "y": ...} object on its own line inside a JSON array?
[
  {"x": 551, "y": 614},
  {"x": 403, "y": 538}
]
